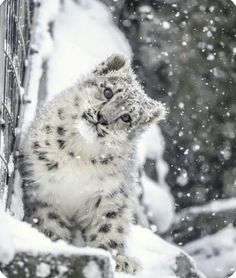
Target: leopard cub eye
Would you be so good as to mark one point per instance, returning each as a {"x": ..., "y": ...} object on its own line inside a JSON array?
[
  {"x": 126, "y": 118},
  {"x": 108, "y": 94}
]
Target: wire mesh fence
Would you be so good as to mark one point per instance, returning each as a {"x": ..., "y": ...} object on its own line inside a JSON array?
[{"x": 14, "y": 40}]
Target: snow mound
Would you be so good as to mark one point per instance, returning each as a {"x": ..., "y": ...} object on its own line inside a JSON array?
[
  {"x": 160, "y": 204},
  {"x": 156, "y": 196},
  {"x": 158, "y": 258},
  {"x": 215, "y": 254}
]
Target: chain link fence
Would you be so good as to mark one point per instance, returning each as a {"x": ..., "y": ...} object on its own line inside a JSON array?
[{"x": 15, "y": 24}]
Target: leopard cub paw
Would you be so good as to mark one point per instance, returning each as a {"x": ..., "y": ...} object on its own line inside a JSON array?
[{"x": 126, "y": 264}]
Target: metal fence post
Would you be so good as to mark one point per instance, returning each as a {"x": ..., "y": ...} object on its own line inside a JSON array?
[{"x": 14, "y": 41}]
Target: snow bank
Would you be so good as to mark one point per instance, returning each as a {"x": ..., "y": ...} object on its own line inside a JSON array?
[
  {"x": 159, "y": 203},
  {"x": 1, "y": 275},
  {"x": 215, "y": 254},
  {"x": 156, "y": 256},
  {"x": 156, "y": 195},
  {"x": 234, "y": 1},
  {"x": 234, "y": 274}
]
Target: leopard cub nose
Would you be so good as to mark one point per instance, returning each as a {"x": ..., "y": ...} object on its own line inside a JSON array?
[{"x": 101, "y": 120}]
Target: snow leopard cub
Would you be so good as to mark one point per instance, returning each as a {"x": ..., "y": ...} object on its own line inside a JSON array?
[{"x": 79, "y": 167}]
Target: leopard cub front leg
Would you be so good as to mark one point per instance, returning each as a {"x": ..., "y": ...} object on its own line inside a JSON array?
[
  {"x": 48, "y": 221},
  {"x": 108, "y": 230}
]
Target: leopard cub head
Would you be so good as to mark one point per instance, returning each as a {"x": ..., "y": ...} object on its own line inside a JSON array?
[{"x": 116, "y": 104}]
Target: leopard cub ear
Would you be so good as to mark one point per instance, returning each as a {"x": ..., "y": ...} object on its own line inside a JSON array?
[
  {"x": 159, "y": 111},
  {"x": 115, "y": 63},
  {"x": 156, "y": 111}
]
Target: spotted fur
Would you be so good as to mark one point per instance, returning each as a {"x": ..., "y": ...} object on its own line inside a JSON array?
[{"x": 78, "y": 164}]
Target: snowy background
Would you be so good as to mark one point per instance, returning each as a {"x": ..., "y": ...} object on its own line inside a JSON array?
[{"x": 184, "y": 54}]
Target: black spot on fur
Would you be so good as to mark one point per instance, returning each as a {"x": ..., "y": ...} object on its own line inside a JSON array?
[
  {"x": 61, "y": 113},
  {"x": 42, "y": 156},
  {"x": 26, "y": 169},
  {"x": 98, "y": 202},
  {"x": 75, "y": 117},
  {"x": 126, "y": 265},
  {"x": 36, "y": 145},
  {"x": 120, "y": 230},
  {"x": 102, "y": 246},
  {"x": 105, "y": 228},
  {"x": 53, "y": 215},
  {"x": 47, "y": 143},
  {"x": 76, "y": 102},
  {"x": 31, "y": 206},
  {"x": 111, "y": 214},
  {"x": 135, "y": 218},
  {"x": 48, "y": 233},
  {"x": 93, "y": 237},
  {"x": 61, "y": 143},
  {"x": 61, "y": 131},
  {"x": 94, "y": 161},
  {"x": 48, "y": 129},
  {"x": 106, "y": 160},
  {"x": 52, "y": 165},
  {"x": 112, "y": 244},
  {"x": 113, "y": 194},
  {"x": 119, "y": 190},
  {"x": 33, "y": 51},
  {"x": 71, "y": 154},
  {"x": 62, "y": 223}
]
